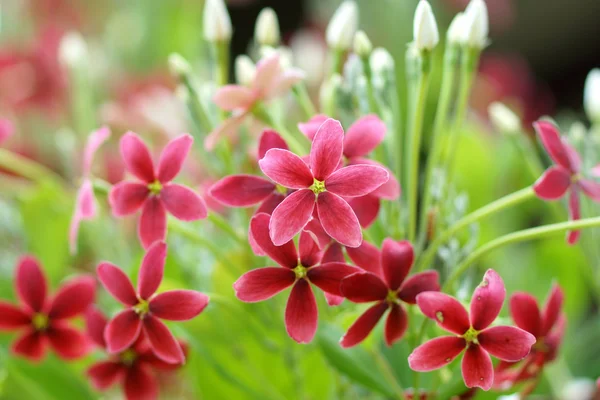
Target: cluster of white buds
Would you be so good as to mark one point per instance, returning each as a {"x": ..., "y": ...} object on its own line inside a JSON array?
[
  {"x": 425, "y": 30},
  {"x": 342, "y": 26},
  {"x": 216, "y": 20}
]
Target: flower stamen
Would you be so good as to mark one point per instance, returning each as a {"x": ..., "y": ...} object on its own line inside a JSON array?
[
  {"x": 317, "y": 187},
  {"x": 142, "y": 308},
  {"x": 40, "y": 321},
  {"x": 155, "y": 187},
  {"x": 128, "y": 357},
  {"x": 300, "y": 272},
  {"x": 471, "y": 336}
]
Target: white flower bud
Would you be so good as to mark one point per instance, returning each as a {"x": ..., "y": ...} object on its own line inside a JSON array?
[
  {"x": 591, "y": 96},
  {"x": 342, "y": 26},
  {"x": 577, "y": 389},
  {"x": 455, "y": 34},
  {"x": 504, "y": 119},
  {"x": 266, "y": 30},
  {"x": 476, "y": 25},
  {"x": 425, "y": 31},
  {"x": 381, "y": 61},
  {"x": 178, "y": 65},
  {"x": 245, "y": 70},
  {"x": 217, "y": 24},
  {"x": 284, "y": 53},
  {"x": 73, "y": 50},
  {"x": 328, "y": 90},
  {"x": 362, "y": 44}
]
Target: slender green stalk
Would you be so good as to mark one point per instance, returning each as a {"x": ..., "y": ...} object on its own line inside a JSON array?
[
  {"x": 485, "y": 211},
  {"x": 412, "y": 78},
  {"x": 27, "y": 168},
  {"x": 226, "y": 227},
  {"x": 373, "y": 104},
  {"x": 303, "y": 98},
  {"x": 337, "y": 61},
  {"x": 221, "y": 56},
  {"x": 388, "y": 373},
  {"x": 195, "y": 106}
]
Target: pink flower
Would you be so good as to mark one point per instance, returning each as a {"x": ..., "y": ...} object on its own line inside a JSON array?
[
  {"x": 270, "y": 81},
  {"x": 145, "y": 309},
  {"x": 321, "y": 186},
  {"x": 296, "y": 270},
  {"x": 155, "y": 193},
  {"x": 387, "y": 291},
  {"x": 43, "y": 320},
  {"x": 6, "y": 129},
  {"x": 565, "y": 176},
  {"x": 85, "y": 204},
  {"x": 472, "y": 333},
  {"x": 134, "y": 367},
  {"x": 547, "y": 325}
]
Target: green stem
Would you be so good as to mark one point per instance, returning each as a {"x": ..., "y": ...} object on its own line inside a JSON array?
[
  {"x": 303, "y": 98},
  {"x": 373, "y": 105},
  {"x": 221, "y": 56},
  {"x": 195, "y": 106},
  {"x": 337, "y": 61},
  {"x": 27, "y": 168},
  {"x": 226, "y": 227},
  {"x": 388, "y": 373},
  {"x": 296, "y": 146},
  {"x": 490, "y": 209}
]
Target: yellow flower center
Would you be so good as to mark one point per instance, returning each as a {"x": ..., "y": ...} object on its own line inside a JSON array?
[
  {"x": 142, "y": 308},
  {"x": 392, "y": 297},
  {"x": 155, "y": 187},
  {"x": 318, "y": 187},
  {"x": 128, "y": 357},
  {"x": 40, "y": 321},
  {"x": 471, "y": 336},
  {"x": 300, "y": 272}
]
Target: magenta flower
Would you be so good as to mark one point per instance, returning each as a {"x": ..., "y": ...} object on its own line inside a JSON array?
[
  {"x": 85, "y": 204},
  {"x": 145, "y": 309},
  {"x": 388, "y": 291},
  {"x": 270, "y": 81},
  {"x": 155, "y": 194},
  {"x": 565, "y": 176},
  {"x": 296, "y": 270},
  {"x": 6, "y": 129},
  {"x": 43, "y": 320},
  {"x": 472, "y": 333},
  {"x": 321, "y": 186}
]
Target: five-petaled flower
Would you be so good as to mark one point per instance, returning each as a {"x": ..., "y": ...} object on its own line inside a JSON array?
[
  {"x": 134, "y": 367},
  {"x": 155, "y": 194},
  {"x": 297, "y": 270},
  {"x": 472, "y": 333},
  {"x": 44, "y": 320},
  {"x": 565, "y": 176},
  {"x": 145, "y": 309},
  {"x": 387, "y": 291},
  {"x": 320, "y": 185}
]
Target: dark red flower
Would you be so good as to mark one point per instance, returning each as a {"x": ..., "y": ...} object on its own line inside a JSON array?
[
  {"x": 155, "y": 194},
  {"x": 43, "y": 320},
  {"x": 296, "y": 269},
  {"x": 387, "y": 291},
  {"x": 472, "y": 333},
  {"x": 145, "y": 309}
]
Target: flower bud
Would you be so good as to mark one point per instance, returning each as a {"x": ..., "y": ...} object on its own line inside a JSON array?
[
  {"x": 425, "y": 31},
  {"x": 217, "y": 24},
  {"x": 178, "y": 65},
  {"x": 381, "y": 61},
  {"x": 328, "y": 91},
  {"x": 266, "y": 30},
  {"x": 455, "y": 34},
  {"x": 362, "y": 44},
  {"x": 73, "y": 50},
  {"x": 342, "y": 26},
  {"x": 245, "y": 70},
  {"x": 591, "y": 96},
  {"x": 503, "y": 118},
  {"x": 476, "y": 25}
]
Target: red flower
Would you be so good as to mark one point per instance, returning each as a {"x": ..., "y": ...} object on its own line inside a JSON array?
[
  {"x": 155, "y": 194},
  {"x": 387, "y": 291},
  {"x": 145, "y": 309},
  {"x": 547, "y": 326},
  {"x": 44, "y": 320},
  {"x": 564, "y": 176},
  {"x": 297, "y": 270},
  {"x": 320, "y": 185},
  {"x": 133, "y": 367},
  {"x": 473, "y": 335}
]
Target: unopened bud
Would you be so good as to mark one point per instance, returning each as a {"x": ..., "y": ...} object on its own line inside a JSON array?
[
  {"x": 381, "y": 61},
  {"x": 245, "y": 70},
  {"x": 342, "y": 26},
  {"x": 503, "y": 118},
  {"x": 476, "y": 28},
  {"x": 328, "y": 91},
  {"x": 73, "y": 50},
  {"x": 362, "y": 44},
  {"x": 266, "y": 30},
  {"x": 217, "y": 24},
  {"x": 591, "y": 96},
  {"x": 455, "y": 34},
  {"x": 179, "y": 66},
  {"x": 425, "y": 31}
]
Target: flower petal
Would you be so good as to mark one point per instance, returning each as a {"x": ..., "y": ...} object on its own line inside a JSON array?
[
  {"x": 363, "y": 287},
  {"x": 140, "y": 384},
  {"x": 152, "y": 270},
  {"x": 127, "y": 197},
  {"x": 162, "y": 341},
  {"x": 310, "y": 128},
  {"x": 333, "y": 300},
  {"x": 310, "y": 253},
  {"x": 356, "y": 180},
  {"x": 526, "y": 313},
  {"x": 333, "y": 253},
  {"x": 7, "y": 129},
  {"x": 85, "y": 204},
  {"x": 242, "y": 190},
  {"x": 487, "y": 300},
  {"x": 552, "y": 142},
  {"x": 136, "y": 157},
  {"x": 590, "y": 188},
  {"x": 328, "y": 277},
  {"x": 574, "y": 215},
  {"x": 105, "y": 374},
  {"x": 436, "y": 353},
  {"x": 301, "y": 315},
  {"x": 338, "y": 219},
  {"x": 230, "y": 97},
  {"x": 445, "y": 310},
  {"x": 172, "y": 157},
  {"x": 117, "y": 283},
  {"x": 153, "y": 222},
  {"x": 477, "y": 368},
  {"x": 94, "y": 141},
  {"x": 227, "y": 129},
  {"x": 553, "y": 184},
  {"x": 366, "y": 209},
  {"x": 263, "y": 283},
  {"x": 552, "y": 309},
  {"x": 68, "y": 343},
  {"x": 428, "y": 281},
  {"x": 395, "y": 324},
  {"x": 31, "y": 283},
  {"x": 367, "y": 256},
  {"x": 284, "y": 254},
  {"x": 178, "y": 305},
  {"x": 291, "y": 216},
  {"x": 122, "y": 331},
  {"x": 73, "y": 298},
  {"x": 507, "y": 343},
  {"x": 326, "y": 150},
  {"x": 270, "y": 203},
  {"x": 286, "y": 168},
  {"x": 268, "y": 140},
  {"x": 267, "y": 71},
  {"x": 31, "y": 345},
  {"x": 396, "y": 261},
  {"x": 361, "y": 328},
  {"x": 284, "y": 82},
  {"x": 12, "y": 317},
  {"x": 364, "y": 136},
  {"x": 95, "y": 323}
]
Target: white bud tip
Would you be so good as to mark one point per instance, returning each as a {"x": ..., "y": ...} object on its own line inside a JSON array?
[
  {"x": 503, "y": 118},
  {"x": 362, "y": 44},
  {"x": 476, "y": 25},
  {"x": 455, "y": 30},
  {"x": 342, "y": 26},
  {"x": 178, "y": 65},
  {"x": 245, "y": 70},
  {"x": 266, "y": 31},
  {"x": 217, "y": 24},
  {"x": 72, "y": 50},
  {"x": 591, "y": 96},
  {"x": 381, "y": 60},
  {"x": 425, "y": 30}
]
